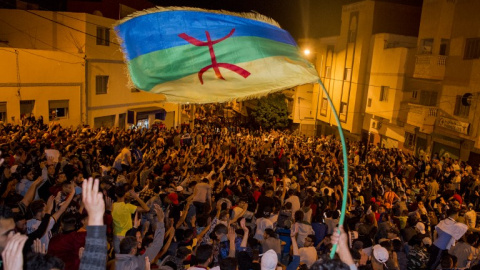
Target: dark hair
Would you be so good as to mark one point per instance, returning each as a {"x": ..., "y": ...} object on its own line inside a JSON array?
[
  {"x": 325, "y": 263},
  {"x": 221, "y": 228},
  {"x": 37, "y": 261},
  {"x": 120, "y": 191},
  {"x": 204, "y": 252},
  {"x": 127, "y": 244},
  {"x": 299, "y": 216},
  {"x": 35, "y": 207},
  {"x": 183, "y": 252},
  {"x": 270, "y": 232},
  {"x": 5, "y": 212},
  {"x": 228, "y": 264}
]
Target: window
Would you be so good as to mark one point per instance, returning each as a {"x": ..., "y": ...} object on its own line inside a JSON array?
[
  {"x": 472, "y": 48},
  {"x": 324, "y": 108},
  {"x": 384, "y": 93},
  {"x": 103, "y": 36},
  {"x": 58, "y": 109},
  {"x": 426, "y": 46},
  {"x": 409, "y": 140},
  {"x": 369, "y": 102},
  {"x": 104, "y": 121},
  {"x": 460, "y": 109},
  {"x": 26, "y": 107},
  {"x": 328, "y": 72},
  {"x": 428, "y": 98},
  {"x": 414, "y": 94},
  {"x": 3, "y": 111},
  {"x": 347, "y": 76},
  {"x": 134, "y": 90},
  {"x": 352, "y": 35},
  {"x": 101, "y": 85},
  {"x": 444, "y": 46},
  {"x": 343, "y": 108}
]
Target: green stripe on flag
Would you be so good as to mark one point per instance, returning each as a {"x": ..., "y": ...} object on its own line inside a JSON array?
[{"x": 171, "y": 64}]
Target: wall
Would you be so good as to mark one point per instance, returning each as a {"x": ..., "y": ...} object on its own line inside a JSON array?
[{"x": 43, "y": 76}]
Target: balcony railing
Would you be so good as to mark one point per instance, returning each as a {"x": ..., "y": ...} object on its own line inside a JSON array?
[
  {"x": 422, "y": 116},
  {"x": 429, "y": 66}
]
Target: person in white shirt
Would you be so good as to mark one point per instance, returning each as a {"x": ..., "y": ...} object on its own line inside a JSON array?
[
  {"x": 292, "y": 198},
  {"x": 263, "y": 223},
  {"x": 471, "y": 217},
  {"x": 304, "y": 228},
  {"x": 308, "y": 253}
]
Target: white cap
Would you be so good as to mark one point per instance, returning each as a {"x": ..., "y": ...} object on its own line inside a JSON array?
[
  {"x": 420, "y": 227},
  {"x": 179, "y": 188},
  {"x": 269, "y": 260},
  {"x": 380, "y": 254}
]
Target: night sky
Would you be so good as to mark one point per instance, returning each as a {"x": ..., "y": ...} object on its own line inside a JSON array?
[{"x": 302, "y": 18}]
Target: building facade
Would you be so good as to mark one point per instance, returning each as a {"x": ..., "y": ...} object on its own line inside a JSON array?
[
  {"x": 68, "y": 68},
  {"x": 403, "y": 76}
]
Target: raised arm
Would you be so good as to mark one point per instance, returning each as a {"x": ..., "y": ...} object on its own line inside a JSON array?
[
  {"x": 94, "y": 256},
  {"x": 143, "y": 206},
  {"x": 64, "y": 206}
]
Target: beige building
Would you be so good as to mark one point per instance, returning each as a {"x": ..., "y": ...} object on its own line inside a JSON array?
[
  {"x": 398, "y": 82},
  {"x": 70, "y": 65}
]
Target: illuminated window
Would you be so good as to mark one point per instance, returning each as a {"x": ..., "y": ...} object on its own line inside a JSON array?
[{"x": 58, "y": 109}]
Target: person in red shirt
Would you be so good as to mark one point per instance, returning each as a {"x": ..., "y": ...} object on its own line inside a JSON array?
[{"x": 67, "y": 244}]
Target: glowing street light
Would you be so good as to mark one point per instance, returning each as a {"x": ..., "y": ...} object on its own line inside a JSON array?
[{"x": 306, "y": 52}]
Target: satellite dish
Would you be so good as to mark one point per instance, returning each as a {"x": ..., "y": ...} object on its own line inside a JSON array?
[{"x": 467, "y": 99}]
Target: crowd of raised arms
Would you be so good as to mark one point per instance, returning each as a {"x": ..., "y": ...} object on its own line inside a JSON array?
[{"x": 222, "y": 198}]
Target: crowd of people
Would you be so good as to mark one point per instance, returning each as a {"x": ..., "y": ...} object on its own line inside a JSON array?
[{"x": 215, "y": 197}]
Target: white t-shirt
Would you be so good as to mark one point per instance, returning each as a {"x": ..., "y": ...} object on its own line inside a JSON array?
[
  {"x": 308, "y": 255},
  {"x": 295, "y": 201},
  {"x": 262, "y": 224}
]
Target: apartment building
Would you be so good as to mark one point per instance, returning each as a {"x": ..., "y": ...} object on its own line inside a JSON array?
[{"x": 68, "y": 68}]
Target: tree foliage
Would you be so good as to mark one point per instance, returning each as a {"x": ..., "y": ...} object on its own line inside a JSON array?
[{"x": 271, "y": 112}]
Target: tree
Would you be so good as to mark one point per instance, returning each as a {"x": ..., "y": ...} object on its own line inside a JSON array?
[{"x": 271, "y": 112}]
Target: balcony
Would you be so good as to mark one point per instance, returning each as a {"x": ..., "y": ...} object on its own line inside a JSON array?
[
  {"x": 430, "y": 67},
  {"x": 422, "y": 116}
]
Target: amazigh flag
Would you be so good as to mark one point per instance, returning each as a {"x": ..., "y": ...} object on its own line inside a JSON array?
[{"x": 199, "y": 56}]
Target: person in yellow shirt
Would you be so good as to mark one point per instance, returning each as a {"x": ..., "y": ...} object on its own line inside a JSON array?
[{"x": 122, "y": 214}]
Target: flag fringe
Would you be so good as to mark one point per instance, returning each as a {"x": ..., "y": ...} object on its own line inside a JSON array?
[{"x": 248, "y": 15}]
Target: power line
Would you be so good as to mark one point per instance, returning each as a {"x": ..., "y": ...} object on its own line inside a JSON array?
[
  {"x": 39, "y": 39},
  {"x": 75, "y": 29},
  {"x": 38, "y": 55},
  {"x": 376, "y": 86}
]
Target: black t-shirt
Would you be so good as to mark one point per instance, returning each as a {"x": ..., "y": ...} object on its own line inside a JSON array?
[{"x": 263, "y": 202}]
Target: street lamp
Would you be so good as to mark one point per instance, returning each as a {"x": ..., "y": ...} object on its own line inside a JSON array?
[{"x": 306, "y": 52}]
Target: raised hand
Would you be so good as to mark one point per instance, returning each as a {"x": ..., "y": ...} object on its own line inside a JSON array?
[
  {"x": 12, "y": 254},
  {"x": 93, "y": 201},
  {"x": 38, "y": 247}
]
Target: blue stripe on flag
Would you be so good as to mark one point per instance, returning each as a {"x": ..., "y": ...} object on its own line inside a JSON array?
[{"x": 158, "y": 31}]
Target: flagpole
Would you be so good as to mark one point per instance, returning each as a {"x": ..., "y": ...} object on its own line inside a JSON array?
[{"x": 345, "y": 164}]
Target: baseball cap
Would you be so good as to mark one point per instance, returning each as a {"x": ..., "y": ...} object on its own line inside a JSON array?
[
  {"x": 380, "y": 254},
  {"x": 420, "y": 227},
  {"x": 427, "y": 241},
  {"x": 179, "y": 188},
  {"x": 269, "y": 260},
  {"x": 173, "y": 197}
]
